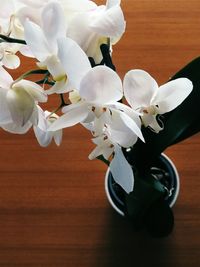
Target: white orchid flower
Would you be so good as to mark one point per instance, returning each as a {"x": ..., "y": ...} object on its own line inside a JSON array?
[
  {"x": 18, "y": 100},
  {"x": 8, "y": 57},
  {"x": 106, "y": 146},
  {"x": 100, "y": 89},
  {"x": 143, "y": 94},
  {"x": 92, "y": 28},
  {"x": 11, "y": 27},
  {"x": 109, "y": 133},
  {"x": 9, "y": 22},
  {"x": 44, "y": 136},
  {"x": 43, "y": 40},
  {"x": 119, "y": 166}
]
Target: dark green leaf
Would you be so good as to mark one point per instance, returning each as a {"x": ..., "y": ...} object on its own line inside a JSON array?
[
  {"x": 179, "y": 124},
  {"x": 145, "y": 193}
]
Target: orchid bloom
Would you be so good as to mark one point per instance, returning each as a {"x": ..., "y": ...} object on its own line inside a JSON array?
[
  {"x": 106, "y": 146},
  {"x": 99, "y": 91},
  {"x": 99, "y": 25},
  {"x": 11, "y": 27},
  {"x": 119, "y": 166},
  {"x": 109, "y": 133},
  {"x": 88, "y": 24},
  {"x": 43, "y": 40},
  {"x": 143, "y": 94},
  {"x": 44, "y": 136},
  {"x": 18, "y": 101}
]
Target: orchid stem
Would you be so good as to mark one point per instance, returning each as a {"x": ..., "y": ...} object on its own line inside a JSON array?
[
  {"x": 28, "y": 73},
  {"x": 101, "y": 157},
  {"x": 11, "y": 40},
  {"x": 63, "y": 101},
  {"x": 105, "y": 50}
]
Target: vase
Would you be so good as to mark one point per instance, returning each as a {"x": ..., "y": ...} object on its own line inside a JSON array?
[{"x": 163, "y": 169}]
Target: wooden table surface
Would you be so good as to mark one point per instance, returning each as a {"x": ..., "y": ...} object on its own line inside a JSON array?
[{"x": 53, "y": 208}]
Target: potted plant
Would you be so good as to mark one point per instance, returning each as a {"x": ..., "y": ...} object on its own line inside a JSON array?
[{"x": 131, "y": 121}]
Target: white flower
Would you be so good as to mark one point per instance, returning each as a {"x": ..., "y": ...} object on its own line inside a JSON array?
[
  {"x": 43, "y": 40},
  {"x": 94, "y": 27},
  {"x": 119, "y": 167},
  {"x": 104, "y": 147},
  {"x": 111, "y": 131},
  {"x": 10, "y": 26},
  {"x": 121, "y": 171},
  {"x": 18, "y": 100},
  {"x": 144, "y": 95},
  {"x": 8, "y": 57},
  {"x": 43, "y": 136},
  {"x": 100, "y": 89},
  {"x": 87, "y": 24}
]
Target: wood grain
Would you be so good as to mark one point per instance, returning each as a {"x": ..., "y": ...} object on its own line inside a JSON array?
[{"x": 53, "y": 208}]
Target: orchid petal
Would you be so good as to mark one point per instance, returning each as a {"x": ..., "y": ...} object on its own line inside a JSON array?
[
  {"x": 172, "y": 94},
  {"x": 35, "y": 3},
  {"x": 36, "y": 40},
  {"x": 68, "y": 53},
  {"x": 59, "y": 87},
  {"x": 126, "y": 121},
  {"x": 123, "y": 130},
  {"x": 152, "y": 122},
  {"x": 58, "y": 137},
  {"x": 16, "y": 129},
  {"x": 26, "y": 51},
  {"x": 35, "y": 116},
  {"x": 110, "y": 23},
  {"x": 134, "y": 115},
  {"x": 44, "y": 138},
  {"x": 97, "y": 151},
  {"x": 21, "y": 106},
  {"x": 54, "y": 67},
  {"x": 5, "y": 116},
  {"x": 29, "y": 13},
  {"x": 53, "y": 28},
  {"x": 78, "y": 5},
  {"x": 7, "y": 9},
  {"x": 42, "y": 122},
  {"x": 34, "y": 90},
  {"x": 107, "y": 152},
  {"x": 112, "y": 3},
  {"x": 80, "y": 31},
  {"x": 5, "y": 78},
  {"x": 75, "y": 114},
  {"x": 11, "y": 61},
  {"x": 139, "y": 88},
  {"x": 101, "y": 85},
  {"x": 123, "y": 138},
  {"x": 121, "y": 171}
]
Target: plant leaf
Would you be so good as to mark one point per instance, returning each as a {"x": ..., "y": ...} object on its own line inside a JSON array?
[{"x": 179, "y": 124}]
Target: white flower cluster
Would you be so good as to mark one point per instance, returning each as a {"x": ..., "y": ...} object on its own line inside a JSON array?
[{"x": 62, "y": 36}]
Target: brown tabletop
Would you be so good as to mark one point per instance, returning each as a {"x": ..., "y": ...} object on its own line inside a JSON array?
[{"x": 53, "y": 208}]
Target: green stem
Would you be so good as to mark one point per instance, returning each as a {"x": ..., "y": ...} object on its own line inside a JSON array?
[
  {"x": 28, "y": 73},
  {"x": 103, "y": 160},
  {"x": 44, "y": 81},
  {"x": 11, "y": 40}
]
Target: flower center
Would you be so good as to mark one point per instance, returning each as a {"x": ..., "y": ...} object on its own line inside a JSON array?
[{"x": 151, "y": 110}]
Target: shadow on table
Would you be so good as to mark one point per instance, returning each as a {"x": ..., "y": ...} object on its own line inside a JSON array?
[{"x": 124, "y": 247}]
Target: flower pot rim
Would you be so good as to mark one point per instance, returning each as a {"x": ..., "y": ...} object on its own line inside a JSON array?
[{"x": 177, "y": 189}]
